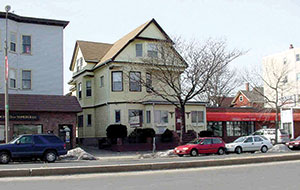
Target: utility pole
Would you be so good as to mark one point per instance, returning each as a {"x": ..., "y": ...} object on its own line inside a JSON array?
[{"x": 7, "y": 8}]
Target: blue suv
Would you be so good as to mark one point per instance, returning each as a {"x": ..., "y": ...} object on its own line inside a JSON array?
[{"x": 47, "y": 147}]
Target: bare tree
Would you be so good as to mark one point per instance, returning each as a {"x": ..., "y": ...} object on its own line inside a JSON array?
[
  {"x": 274, "y": 79},
  {"x": 179, "y": 72},
  {"x": 221, "y": 85}
]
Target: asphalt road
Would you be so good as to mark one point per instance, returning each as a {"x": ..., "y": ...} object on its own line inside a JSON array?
[
  {"x": 280, "y": 175},
  {"x": 70, "y": 163}
]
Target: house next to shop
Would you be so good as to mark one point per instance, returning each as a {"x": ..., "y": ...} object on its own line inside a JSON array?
[{"x": 103, "y": 83}]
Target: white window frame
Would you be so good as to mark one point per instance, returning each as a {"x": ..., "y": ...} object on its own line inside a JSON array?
[
  {"x": 135, "y": 81},
  {"x": 79, "y": 90},
  {"x": 116, "y": 116},
  {"x": 30, "y": 51},
  {"x": 198, "y": 117},
  {"x": 135, "y": 120},
  {"x": 12, "y": 76},
  {"x": 139, "y": 52},
  {"x": 14, "y": 42},
  {"x": 113, "y": 81},
  {"x": 152, "y": 50},
  {"x": 159, "y": 117},
  {"x": 88, "y": 88},
  {"x": 26, "y": 80},
  {"x": 101, "y": 81}
]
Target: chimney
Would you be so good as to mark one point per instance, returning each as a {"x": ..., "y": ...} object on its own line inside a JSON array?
[
  {"x": 247, "y": 86},
  {"x": 291, "y": 46}
]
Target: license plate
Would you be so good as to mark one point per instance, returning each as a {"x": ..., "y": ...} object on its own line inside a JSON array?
[{"x": 291, "y": 146}]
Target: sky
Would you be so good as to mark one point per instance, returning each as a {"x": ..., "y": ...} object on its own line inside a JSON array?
[{"x": 261, "y": 27}]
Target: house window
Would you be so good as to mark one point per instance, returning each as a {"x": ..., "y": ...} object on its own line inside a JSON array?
[
  {"x": 135, "y": 81},
  {"x": 161, "y": 116},
  {"x": 117, "y": 116},
  {"x": 12, "y": 79},
  {"x": 89, "y": 120},
  {"x": 297, "y": 57},
  {"x": 148, "y": 116},
  {"x": 117, "y": 81},
  {"x": 298, "y": 76},
  {"x": 101, "y": 81},
  {"x": 148, "y": 82},
  {"x": 80, "y": 121},
  {"x": 88, "y": 88},
  {"x": 26, "y": 44},
  {"x": 241, "y": 98},
  {"x": 13, "y": 42},
  {"x": 135, "y": 118},
  {"x": 79, "y": 64},
  {"x": 26, "y": 79},
  {"x": 139, "y": 50},
  {"x": 152, "y": 50},
  {"x": 197, "y": 116},
  {"x": 79, "y": 90}
]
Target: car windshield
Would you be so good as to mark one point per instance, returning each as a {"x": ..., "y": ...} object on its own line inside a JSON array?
[
  {"x": 14, "y": 140},
  {"x": 196, "y": 141},
  {"x": 298, "y": 138},
  {"x": 241, "y": 139}
]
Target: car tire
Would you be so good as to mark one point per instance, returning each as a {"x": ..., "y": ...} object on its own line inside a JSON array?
[
  {"x": 238, "y": 150},
  {"x": 50, "y": 156},
  {"x": 221, "y": 151},
  {"x": 264, "y": 149},
  {"x": 194, "y": 152},
  {"x": 4, "y": 157},
  {"x": 180, "y": 155}
]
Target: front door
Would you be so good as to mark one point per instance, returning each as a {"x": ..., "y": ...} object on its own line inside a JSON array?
[
  {"x": 65, "y": 134},
  {"x": 248, "y": 144}
]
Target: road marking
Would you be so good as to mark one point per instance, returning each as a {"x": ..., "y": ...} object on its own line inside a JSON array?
[{"x": 137, "y": 173}]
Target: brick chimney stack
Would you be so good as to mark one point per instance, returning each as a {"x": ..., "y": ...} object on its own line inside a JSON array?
[
  {"x": 291, "y": 46},
  {"x": 247, "y": 86}
]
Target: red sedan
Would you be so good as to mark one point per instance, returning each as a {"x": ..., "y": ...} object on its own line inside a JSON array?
[
  {"x": 295, "y": 144},
  {"x": 205, "y": 145}
]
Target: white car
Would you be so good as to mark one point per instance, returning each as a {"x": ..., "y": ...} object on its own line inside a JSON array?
[
  {"x": 249, "y": 144},
  {"x": 283, "y": 136}
]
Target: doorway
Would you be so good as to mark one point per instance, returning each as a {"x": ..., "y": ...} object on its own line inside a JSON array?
[{"x": 66, "y": 134}]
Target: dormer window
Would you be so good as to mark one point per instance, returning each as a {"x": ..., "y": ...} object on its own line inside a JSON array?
[
  {"x": 79, "y": 64},
  {"x": 152, "y": 50},
  {"x": 241, "y": 98}
]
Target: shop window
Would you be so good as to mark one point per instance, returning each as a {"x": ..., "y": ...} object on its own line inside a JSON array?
[
  {"x": 197, "y": 116},
  {"x": 135, "y": 118},
  {"x": 239, "y": 128},
  {"x": 161, "y": 116},
  {"x": 216, "y": 128},
  {"x": 20, "y": 129}
]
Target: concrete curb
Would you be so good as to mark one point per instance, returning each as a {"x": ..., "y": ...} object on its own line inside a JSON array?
[{"x": 145, "y": 167}]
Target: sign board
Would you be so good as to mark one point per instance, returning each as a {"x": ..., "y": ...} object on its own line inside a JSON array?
[
  {"x": 20, "y": 117},
  {"x": 287, "y": 116}
]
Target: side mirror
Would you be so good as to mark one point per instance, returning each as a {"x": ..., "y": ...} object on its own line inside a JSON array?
[{"x": 18, "y": 142}]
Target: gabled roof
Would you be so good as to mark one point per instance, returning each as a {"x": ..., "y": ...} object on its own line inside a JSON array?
[
  {"x": 119, "y": 45},
  {"x": 41, "y": 103},
  {"x": 255, "y": 95}
]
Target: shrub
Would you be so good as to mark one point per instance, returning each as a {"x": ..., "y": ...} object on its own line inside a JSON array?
[
  {"x": 116, "y": 131},
  {"x": 148, "y": 132},
  {"x": 141, "y": 135},
  {"x": 167, "y": 136}
]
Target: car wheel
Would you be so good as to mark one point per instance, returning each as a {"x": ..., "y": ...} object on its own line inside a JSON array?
[
  {"x": 221, "y": 151},
  {"x": 50, "y": 156},
  {"x": 4, "y": 158},
  {"x": 238, "y": 150},
  {"x": 194, "y": 152},
  {"x": 180, "y": 155},
  {"x": 264, "y": 149}
]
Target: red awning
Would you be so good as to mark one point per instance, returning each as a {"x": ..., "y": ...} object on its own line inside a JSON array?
[{"x": 237, "y": 116}]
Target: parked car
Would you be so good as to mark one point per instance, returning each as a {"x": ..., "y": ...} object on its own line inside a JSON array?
[
  {"x": 46, "y": 147},
  {"x": 283, "y": 136},
  {"x": 294, "y": 144},
  {"x": 205, "y": 145},
  {"x": 249, "y": 144}
]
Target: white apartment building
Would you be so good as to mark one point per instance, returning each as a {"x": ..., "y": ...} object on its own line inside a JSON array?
[
  {"x": 35, "y": 55},
  {"x": 286, "y": 66}
]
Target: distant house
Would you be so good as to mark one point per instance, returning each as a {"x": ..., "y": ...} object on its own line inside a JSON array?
[
  {"x": 110, "y": 91},
  {"x": 249, "y": 98}
]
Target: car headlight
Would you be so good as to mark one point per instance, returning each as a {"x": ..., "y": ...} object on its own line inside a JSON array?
[
  {"x": 186, "y": 148},
  {"x": 296, "y": 143}
]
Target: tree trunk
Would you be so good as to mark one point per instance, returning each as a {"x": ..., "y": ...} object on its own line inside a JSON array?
[
  {"x": 276, "y": 125},
  {"x": 182, "y": 130}
]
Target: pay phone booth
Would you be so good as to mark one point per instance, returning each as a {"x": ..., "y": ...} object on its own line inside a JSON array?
[{"x": 65, "y": 134}]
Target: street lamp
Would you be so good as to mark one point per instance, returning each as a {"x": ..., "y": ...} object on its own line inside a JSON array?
[{"x": 7, "y": 9}]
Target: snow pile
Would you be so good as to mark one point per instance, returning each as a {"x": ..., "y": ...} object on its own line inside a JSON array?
[
  {"x": 165, "y": 154},
  {"x": 279, "y": 148},
  {"x": 77, "y": 154}
]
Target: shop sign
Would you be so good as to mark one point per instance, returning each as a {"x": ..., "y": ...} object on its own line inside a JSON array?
[{"x": 20, "y": 117}]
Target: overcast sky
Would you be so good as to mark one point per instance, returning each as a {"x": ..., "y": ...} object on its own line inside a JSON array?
[{"x": 260, "y": 26}]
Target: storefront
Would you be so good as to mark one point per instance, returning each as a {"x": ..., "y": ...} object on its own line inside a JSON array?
[{"x": 37, "y": 114}]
